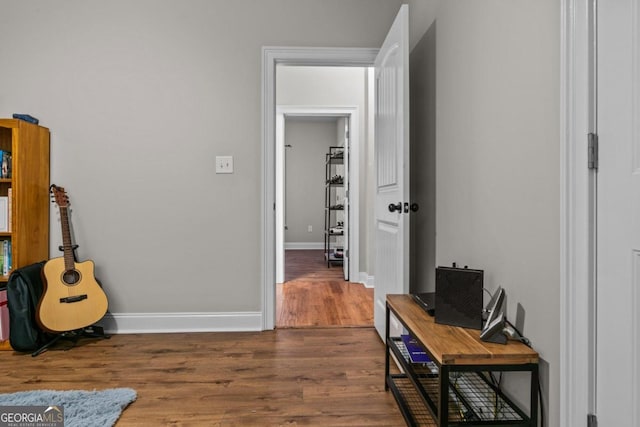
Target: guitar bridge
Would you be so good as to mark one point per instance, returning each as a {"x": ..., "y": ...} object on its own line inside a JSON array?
[{"x": 75, "y": 298}]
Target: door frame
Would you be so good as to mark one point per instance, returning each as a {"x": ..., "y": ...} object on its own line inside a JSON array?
[
  {"x": 352, "y": 114},
  {"x": 577, "y": 213},
  {"x": 271, "y": 56}
]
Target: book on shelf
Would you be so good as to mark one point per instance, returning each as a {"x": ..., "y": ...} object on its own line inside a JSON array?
[
  {"x": 5, "y": 164},
  {"x": 4, "y": 213},
  {"x": 6, "y": 257},
  {"x": 9, "y": 208},
  {"x": 416, "y": 352}
]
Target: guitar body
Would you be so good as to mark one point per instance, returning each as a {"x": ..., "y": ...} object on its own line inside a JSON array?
[{"x": 72, "y": 299}]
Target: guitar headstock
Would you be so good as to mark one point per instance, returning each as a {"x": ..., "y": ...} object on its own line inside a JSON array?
[{"x": 59, "y": 196}]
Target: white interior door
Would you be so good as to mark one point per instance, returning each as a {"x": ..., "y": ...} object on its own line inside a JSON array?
[
  {"x": 392, "y": 167},
  {"x": 618, "y": 214}
]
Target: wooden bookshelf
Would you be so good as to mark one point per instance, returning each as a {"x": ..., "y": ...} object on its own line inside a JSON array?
[{"x": 29, "y": 183}]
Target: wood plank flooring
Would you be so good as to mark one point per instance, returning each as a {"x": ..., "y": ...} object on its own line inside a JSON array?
[
  {"x": 316, "y": 296},
  {"x": 286, "y": 377},
  {"x": 307, "y": 372},
  {"x": 310, "y": 265}
]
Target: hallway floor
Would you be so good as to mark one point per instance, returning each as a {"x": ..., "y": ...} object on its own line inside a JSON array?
[{"x": 314, "y": 295}]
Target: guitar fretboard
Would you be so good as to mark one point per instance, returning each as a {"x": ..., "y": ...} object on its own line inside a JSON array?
[{"x": 67, "y": 248}]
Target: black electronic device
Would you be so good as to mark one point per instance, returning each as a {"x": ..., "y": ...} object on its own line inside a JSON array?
[
  {"x": 458, "y": 298},
  {"x": 426, "y": 300},
  {"x": 495, "y": 323}
]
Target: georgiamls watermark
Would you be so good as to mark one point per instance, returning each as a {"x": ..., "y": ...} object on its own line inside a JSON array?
[{"x": 31, "y": 416}]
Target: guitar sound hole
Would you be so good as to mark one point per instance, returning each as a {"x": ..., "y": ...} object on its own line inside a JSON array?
[{"x": 71, "y": 277}]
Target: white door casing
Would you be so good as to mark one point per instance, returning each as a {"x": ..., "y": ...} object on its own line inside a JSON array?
[
  {"x": 350, "y": 114},
  {"x": 615, "y": 300},
  {"x": 577, "y": 235},
  {"x": 345, "y": 201},
  {"x": 271, "y": 56},
  {"x": 280, "y": 208},
  {"x": 618, "y": 214},
  {"x": 392, "y": 167}
]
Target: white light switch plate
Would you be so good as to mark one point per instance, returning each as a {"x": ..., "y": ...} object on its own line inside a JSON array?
[{"x": 224, "y": 164}]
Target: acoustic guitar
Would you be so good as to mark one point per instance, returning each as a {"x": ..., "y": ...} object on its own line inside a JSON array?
[{"x": 72, "y": 298}]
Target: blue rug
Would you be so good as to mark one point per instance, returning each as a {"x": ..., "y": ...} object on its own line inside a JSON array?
[{"x": 81, "y": 408}]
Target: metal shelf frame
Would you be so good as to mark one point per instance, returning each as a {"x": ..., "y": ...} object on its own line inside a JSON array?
[{"x": 471, "y": 397}]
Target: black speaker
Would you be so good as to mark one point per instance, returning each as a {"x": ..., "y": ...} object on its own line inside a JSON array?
[{"x": 459, "y": 297}]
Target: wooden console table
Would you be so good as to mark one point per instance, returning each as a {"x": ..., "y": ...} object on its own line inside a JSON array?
[{"x": 458, "y": 386}]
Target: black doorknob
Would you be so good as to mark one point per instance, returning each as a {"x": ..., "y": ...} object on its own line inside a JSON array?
[
  {"x": 414, "y": 207},
  {"x": 396, "y": 207}
]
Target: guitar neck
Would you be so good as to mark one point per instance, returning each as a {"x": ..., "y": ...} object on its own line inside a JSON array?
[{"x": 67, "y": 247}]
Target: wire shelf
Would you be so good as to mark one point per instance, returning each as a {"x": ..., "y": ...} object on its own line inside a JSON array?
[
  {"x": 420, "y": 413},
  {"x": 475, "y": 400},
  {"x": 472, "y": 399}
]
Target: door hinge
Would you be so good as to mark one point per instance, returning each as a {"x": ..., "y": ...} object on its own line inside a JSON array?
[
  {"x": 592, "y": 420},
  {"x": 346, "y": 253},
  {"x": 593, "y": 151}
]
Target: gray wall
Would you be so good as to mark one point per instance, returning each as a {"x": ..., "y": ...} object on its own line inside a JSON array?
[
  {"x": 493, "y": 68},
  {"x": 310, "y": 140},
  {"x": 140, "y": 97}
]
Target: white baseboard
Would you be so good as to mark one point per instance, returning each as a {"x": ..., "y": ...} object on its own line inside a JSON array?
[
  {"x": 367, "y": 280},
  {"x": 304, "y": 245},
  {"x": 136, "y": 323}
]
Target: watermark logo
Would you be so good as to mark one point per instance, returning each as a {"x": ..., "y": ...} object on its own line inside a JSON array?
[{"x": 31, "y": 416}]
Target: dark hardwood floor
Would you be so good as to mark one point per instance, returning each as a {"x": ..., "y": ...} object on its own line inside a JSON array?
[
  {"x": 285, "y": 377},
  {"x": 310, "y": 265},
  {"x": 300, "y": 374},
  {"x": 316, "y": 296}
]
